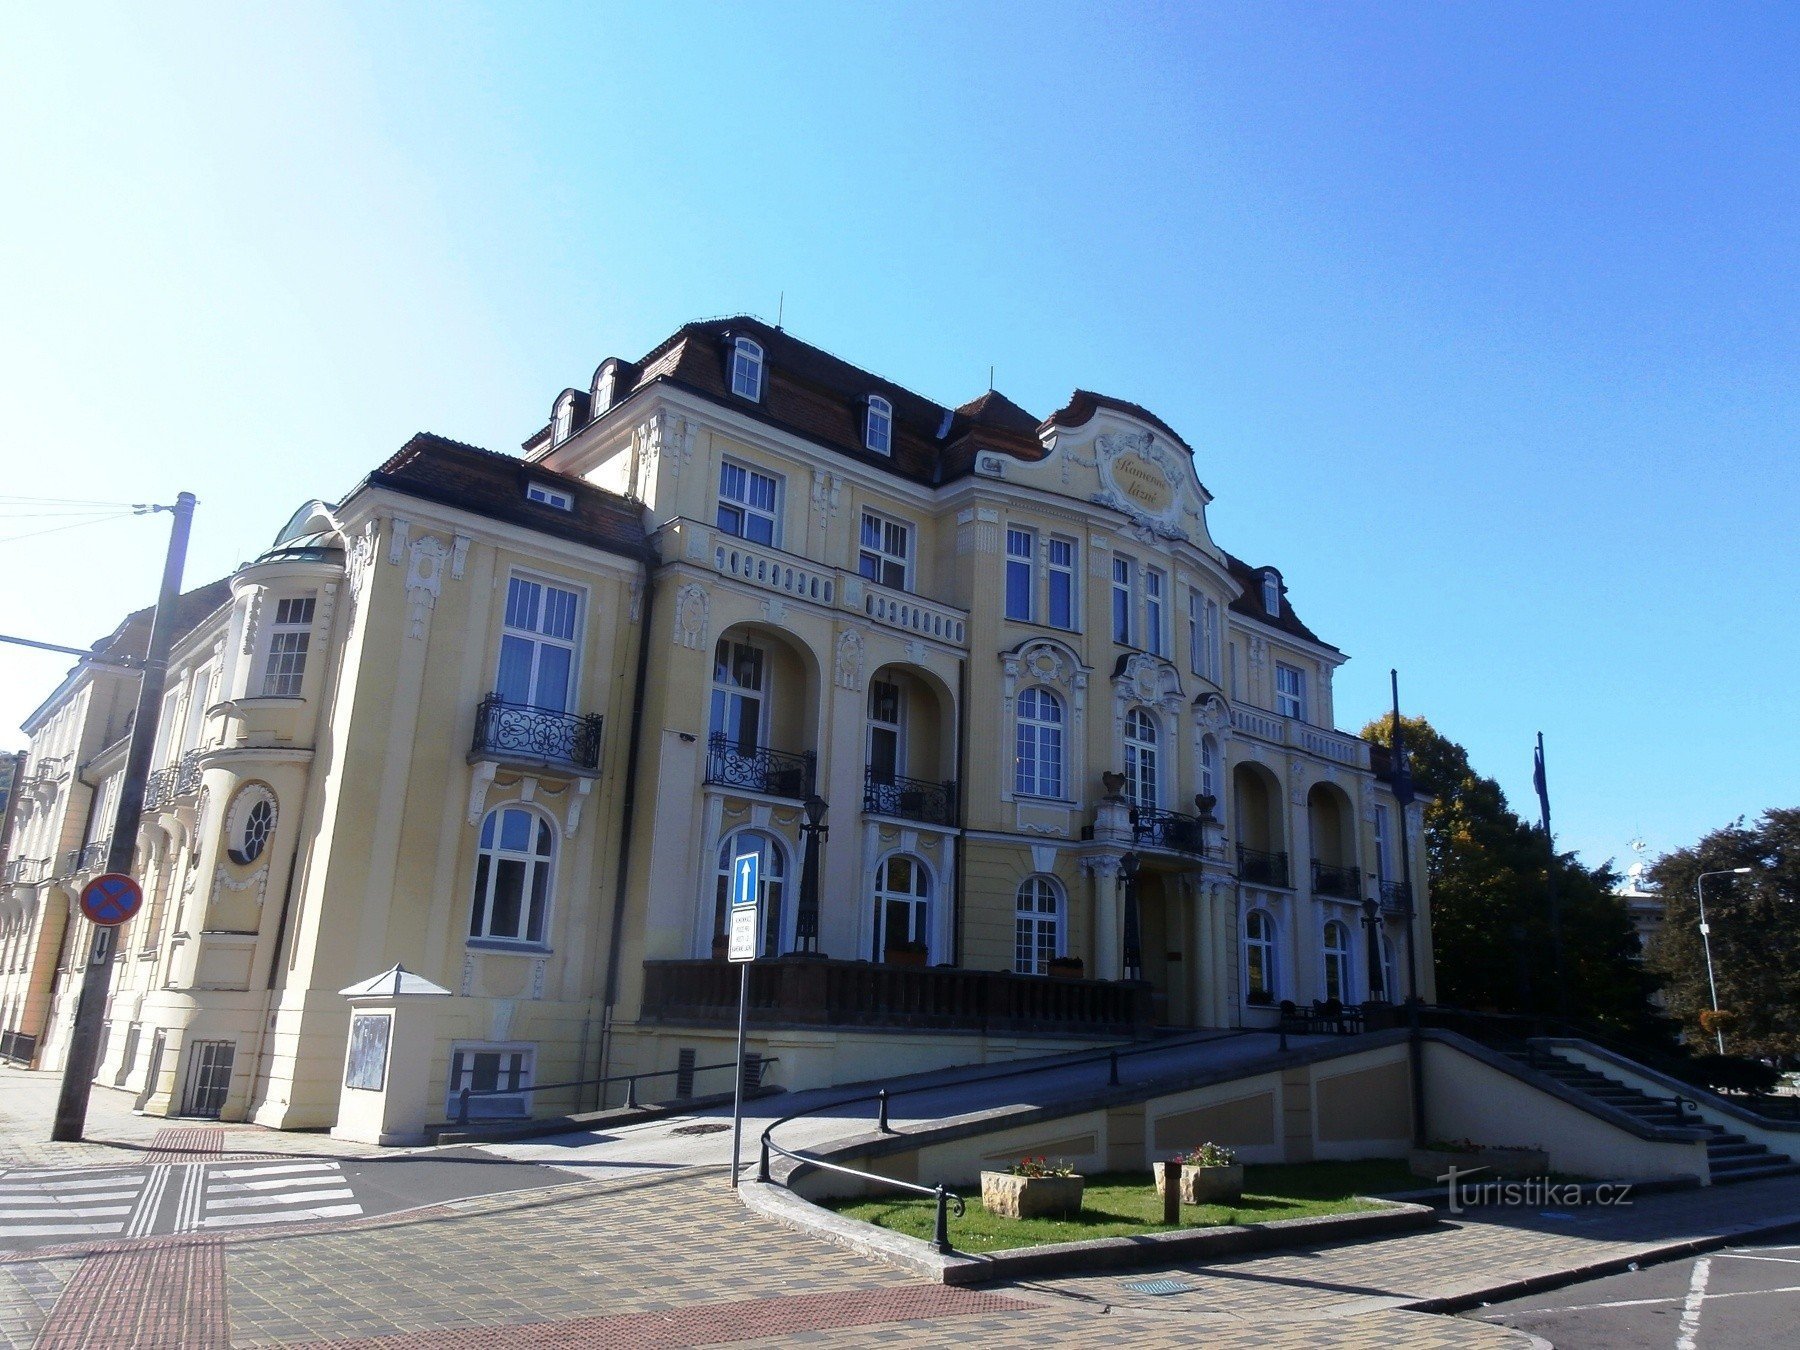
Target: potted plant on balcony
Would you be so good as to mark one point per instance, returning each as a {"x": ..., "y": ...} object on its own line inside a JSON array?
[
  {"x": 1032, "y": 1188},
  {"x": 905, "y": 953},
  {"x": 1210, "y": 1175},
  {"x": 1066, "y": 968}
]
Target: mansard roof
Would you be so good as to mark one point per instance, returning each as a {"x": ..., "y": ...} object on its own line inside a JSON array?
[
  {"x": 436, "y": 469},
  {"x": 1250, "y": 601}
]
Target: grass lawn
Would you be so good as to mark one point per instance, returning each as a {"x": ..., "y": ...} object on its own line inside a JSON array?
[{"x": 1122, "y": 1204}]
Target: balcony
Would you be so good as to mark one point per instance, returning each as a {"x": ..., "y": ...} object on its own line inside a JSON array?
[
  {"x": 1343, "y": 882},
  {"x": 800, "y": 992},
  {"x": 187, "y": 775},
  {"x": 913, "y": 614},
  {"x": 519, "y": 732},
  {"x": 1323, "y": 742},
  {"x": 92, "y": 858},
  {"x": 1396, "y": 899},
  {"x": 159, "y": 788},
  {"x": 890, "y": 794},
  {"x": 1169, "y": 829},
  {"x": 23, "y": 871},
  {"x": 1261, "y": 868},
  {"x": 757, "y": 768}
]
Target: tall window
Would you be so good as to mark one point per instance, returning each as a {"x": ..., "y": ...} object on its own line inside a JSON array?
[
  {"x": 1390, "y": 971},
  {"x": 748, "y": 503},
  {"x": 1203, "y": 635},
  {"x": 537, "y": 648},
  {"x": 1062, "y": 583},
  {"x": 289, "y": 637},
  {"x": 878, "y": 426},
  {"x": 739, "y": 685},
  {"x": 1037, "y": 926},
  {"x": 886, "y": 548},
  {"x": 1337, "y": 961},
  {"x": 512, "y": 876},
  {"x": 1038, "y": 762},
  {"x": 747, "y": 369},
  {"x": 1384, "y": 857},
  {"x": 1155, "y": 639},
  {"x": 1021, "y": 581},
  {"x": 1271, "y": 590},
  {"x": 886, "y": 740},
  {"x": 1140, "y": 759},
  {"x": 771, "y": 884},
  {"x": 1259, "y": 953},
  {"x": 1121, "y": 600},
  {"x": 1209, "y": 766},
  {"x": 1290, "y": 691},
  {"x": 902, "y": 903}
]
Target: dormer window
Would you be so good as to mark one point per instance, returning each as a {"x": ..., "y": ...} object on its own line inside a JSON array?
[
  {"x": 1272, "y": 593},
  {"x": 604, "y": 381},
  {"x": 562, "y": 422},
  {"x": 878, "y": 427},
  {"x": 747, "y": 369},
  {"x": 550, "y": 496}
]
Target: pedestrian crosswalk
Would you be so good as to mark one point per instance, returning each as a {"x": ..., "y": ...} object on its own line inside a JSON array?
[{"x": 37, "y": 1207}]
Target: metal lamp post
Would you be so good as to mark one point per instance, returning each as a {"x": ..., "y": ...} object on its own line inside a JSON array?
[
  {"x": 1706, "y": 940},
  {"x": 1372, "y": 941},
  {"x": 1134, "y": 956},
  {"x": 806, "y": 919}
]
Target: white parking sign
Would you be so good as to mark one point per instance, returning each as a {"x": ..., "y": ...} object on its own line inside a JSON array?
[{"x": 746, "y": 871}]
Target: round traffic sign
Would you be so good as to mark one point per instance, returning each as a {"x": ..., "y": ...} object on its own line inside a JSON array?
[{"x": 111, "y": 898}]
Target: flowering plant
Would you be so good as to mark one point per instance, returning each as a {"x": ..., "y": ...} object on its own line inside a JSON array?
[
  {"x": 1042, "y": 1167},
  {"x": 1207, "y": 1155}
]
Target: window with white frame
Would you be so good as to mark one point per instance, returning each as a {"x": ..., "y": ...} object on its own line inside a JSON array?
[
  {"x": 563, "y": 420},
  {"x": 747, "y": 369},
  {"x": 512, "y": 876},
  {"x": 1155, "y": 638},
  {"x": 1037, "y": 926},
  {"x": 1203, "y": 635},
  {"x": 284, "y": 668},
  {"x": 749, "y": 503},
  {"x": 249, "y": 824},
  {"x": 500, "y": 1074},
  {"x": 1384, "y": 857},
  {"x": 1209, "y": 767},
  {"x": 1259, "y": 953},
  {"x": 1390, "y": 971},
  {"x": 739, "y": 693},
  {"x": 884, "y": 551},
  {"x": 878, "y": 425},
  {"x": 1140, "y": 759},
  {"x": 902, "y": 904},
  {"x": 887, "y": 738},
  {"x": 1337, "y": 961},
  {"x": 1290, "y": 691},
  {"x": 1038, "y": 757},
  {"x": 1063, "y": 553},
  {"x": 550, "y": 496},
  {"x": 771, "y": 885},
  {"x": 537, "y": 644},
  {"x": 1021, "y": 572},
  {"x": 1271, "y": 589},
  {"x": 1122, "y": 597}
]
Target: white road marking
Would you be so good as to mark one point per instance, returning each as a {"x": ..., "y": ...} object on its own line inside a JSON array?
[
  {"x": 1749, "y": 1256},
  {"x": 324, "y": 1212},
  {"x": 274, "y": 1171},
  {"x": 245, "y": 1202},
  {"x": 1690, "y": 1310},
  {"x": 149, "y": 1202}
]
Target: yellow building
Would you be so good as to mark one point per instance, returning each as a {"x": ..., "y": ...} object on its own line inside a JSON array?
[{"x": 508, "y": 720}]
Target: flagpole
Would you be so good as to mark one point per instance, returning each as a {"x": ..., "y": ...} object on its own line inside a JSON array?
[{"x": 1541, "y": 782}]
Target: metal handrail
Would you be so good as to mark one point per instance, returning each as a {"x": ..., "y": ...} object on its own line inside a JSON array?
[
  {"x": 882, "y": 1096},
  {"x": 629, "y": 1079}
]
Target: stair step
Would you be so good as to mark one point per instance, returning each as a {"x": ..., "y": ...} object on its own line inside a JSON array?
[
  {"x": 1784, "y": 1168},
  {"x": 1736, "y": 1151}
]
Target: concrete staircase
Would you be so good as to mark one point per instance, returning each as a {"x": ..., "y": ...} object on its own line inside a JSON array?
[{"x": 1731, "y": 1156}]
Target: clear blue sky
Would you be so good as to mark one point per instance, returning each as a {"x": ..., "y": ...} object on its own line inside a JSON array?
[{"x": 1482, "y": 318}]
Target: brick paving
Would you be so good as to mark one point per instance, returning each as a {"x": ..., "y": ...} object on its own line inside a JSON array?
[{"x": 170, "y": 1294}]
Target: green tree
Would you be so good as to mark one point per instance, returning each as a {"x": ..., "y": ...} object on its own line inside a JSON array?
[
  {"x": 1490, "y": 916},
  {"x": 1755, "y": 933}
]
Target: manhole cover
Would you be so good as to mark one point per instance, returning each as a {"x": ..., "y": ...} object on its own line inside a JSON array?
[
  {"x": 1160, "y": 1286},
  {"x": 705, "y": 1127}
]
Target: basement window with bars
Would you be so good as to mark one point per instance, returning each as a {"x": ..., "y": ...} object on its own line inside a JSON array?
[
  {"x": 498, "y": 1077},
  {"x": 290, "y": 635}
]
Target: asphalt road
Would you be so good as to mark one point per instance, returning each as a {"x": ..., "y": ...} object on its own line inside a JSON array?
[{"x": 1739, "y": 1298}]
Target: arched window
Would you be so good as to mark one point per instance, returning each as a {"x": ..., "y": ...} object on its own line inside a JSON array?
[
  {"x": 1038, "y": 749},
  {"x": 747, "y": 369},
  {"x": 902, "y": 904},
  {"x": 772, "y": 886},
  {"x": 1140, "y": 759},
  {"x": 248, "y": 824},
  {"x": 512, "y": 876},
  {"x": 1038, "y": 927},
  {"x": 1337, "y": 961},
  {"x": 878, "y": 426},
  {"x": 1271, "y": 589},
  {"x": 563, "y": 419},
  {"x": 1209, "y": 767},
  {"x": 1259, "y": 956}
]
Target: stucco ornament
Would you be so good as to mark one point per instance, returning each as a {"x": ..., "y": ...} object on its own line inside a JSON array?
[
  {"x": 848, "y": 668},
  {"x": 1143, "y": 478},
  {"x": 426, "y": 558},
  {"x": 1211, "y": 714},
  {"x": 1148, "y": 680},
  {"x": 692, "y": 606}
]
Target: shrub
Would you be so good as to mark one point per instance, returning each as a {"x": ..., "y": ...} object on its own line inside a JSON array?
[
  {"x": 1042, "y": 1167},
  {"x": 1207, "y": 1155}
]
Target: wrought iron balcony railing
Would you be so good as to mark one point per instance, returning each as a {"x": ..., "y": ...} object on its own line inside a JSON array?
[
  {"x": 187, "y": 775},
  {"x": 890, "y": 794},
  {"x": 519, "y": 731},
  {"x": 1261, "y": 867},
  {"x": 22, "y": 871},
  {"x": 757, "y": 768},
  {"x": 1329, "y": 879},
  {"x": 1396, "y": 898},
  {"x": 89, "y": 859},
  {"x": 159, "y": 788},
  {"x": 1167, "y": 829}
]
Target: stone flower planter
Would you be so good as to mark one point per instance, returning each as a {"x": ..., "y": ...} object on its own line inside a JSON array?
[
  {"x": 1208, "y": 1185},
  {"x": 1031, "y": 1197},
  {"x": 1494, "y": 1162}
]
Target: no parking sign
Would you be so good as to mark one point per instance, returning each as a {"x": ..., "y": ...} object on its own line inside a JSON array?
[{"x": 110, "y": 899}]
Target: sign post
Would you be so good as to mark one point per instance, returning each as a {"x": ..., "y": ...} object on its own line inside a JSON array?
[{"x": 746, "y": 872}]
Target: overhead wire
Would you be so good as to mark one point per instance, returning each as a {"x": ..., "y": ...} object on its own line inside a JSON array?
[{"x": 57, "y": 529}]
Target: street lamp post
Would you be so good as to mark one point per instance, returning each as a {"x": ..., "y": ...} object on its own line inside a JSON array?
[
  {"x": 1134, "y": 955},
  {"x": 806, "y": 919},
  {"x": 1372, "y": 945},
  {"x": 1706, "y": 941}
]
